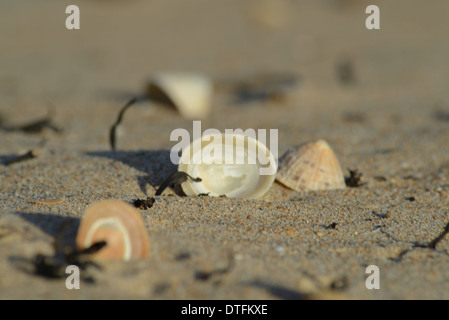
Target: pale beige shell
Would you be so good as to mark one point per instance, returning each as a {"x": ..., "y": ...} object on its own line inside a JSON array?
[
  {"x": 249, "y": 178},
  {"x": 310, "y": 166},
  {"x": 120, "y": 225},
  {"x": 190, "y": 93}
]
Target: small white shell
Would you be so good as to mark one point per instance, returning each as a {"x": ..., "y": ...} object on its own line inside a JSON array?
[
  {"x": 310, "y": 166},
  {"x": 190, "y": 93},
  {"x": 233, "y": 165}
]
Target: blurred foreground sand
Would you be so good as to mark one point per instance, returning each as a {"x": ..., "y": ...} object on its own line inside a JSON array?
[{"x": 391, "y": 124}]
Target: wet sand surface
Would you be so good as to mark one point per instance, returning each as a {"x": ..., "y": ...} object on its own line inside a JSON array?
[{"x": 379, "y": 98}]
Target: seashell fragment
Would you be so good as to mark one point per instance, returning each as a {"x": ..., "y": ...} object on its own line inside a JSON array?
[
  {"x": 233, "y": 165},
  {"x": 120, "y": 225},
  {"x": 310, "y": 166},
  {"x": 190, "y": 93}
]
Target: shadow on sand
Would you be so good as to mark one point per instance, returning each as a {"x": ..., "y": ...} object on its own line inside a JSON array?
[
  {"x": 54, "y": 225},
  {"x": 155, "y": 164}
]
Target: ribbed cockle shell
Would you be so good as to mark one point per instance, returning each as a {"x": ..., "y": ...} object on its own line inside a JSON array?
[{"x": 310, "y": 166}]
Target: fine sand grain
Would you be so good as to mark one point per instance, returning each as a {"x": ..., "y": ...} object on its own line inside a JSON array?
[{"x": 379, "y": 98}]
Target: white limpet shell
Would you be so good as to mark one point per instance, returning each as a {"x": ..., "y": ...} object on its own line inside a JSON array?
[
  {"x": 191, "y": 93},
  {"x": 233, "y": 165},
  {"x": 117, "y": 223},
  {"x": 310, "y": 166}
]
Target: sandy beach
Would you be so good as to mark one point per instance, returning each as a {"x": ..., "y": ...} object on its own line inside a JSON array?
[{"x": 380, "y": 99}]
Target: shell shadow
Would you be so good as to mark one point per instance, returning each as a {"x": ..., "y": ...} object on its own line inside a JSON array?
[
  {"x": 441, "y": 115},
  {"x": 9, "y": 159},
  {"x": 277, "y": 291},
  {"x": 62, "y": 229},
  {"x": 54, "y": 225},
  {"x": 156, "y": 164}
]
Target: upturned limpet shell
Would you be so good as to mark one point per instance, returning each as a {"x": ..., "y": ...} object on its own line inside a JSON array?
[{"x": 233, "y": 165}]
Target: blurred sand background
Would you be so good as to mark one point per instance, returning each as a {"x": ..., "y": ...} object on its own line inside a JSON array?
[{"x": 391, "y": 123}]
